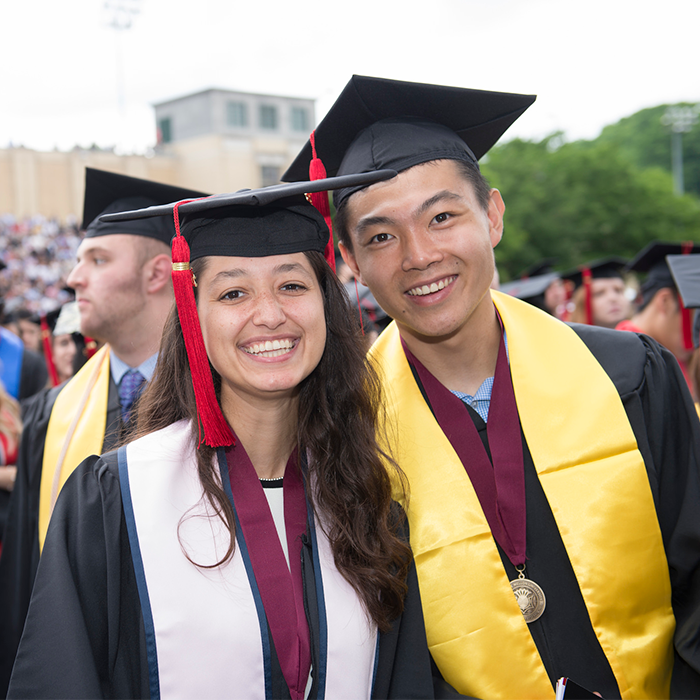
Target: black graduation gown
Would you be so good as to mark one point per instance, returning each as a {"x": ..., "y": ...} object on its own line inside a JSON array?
[
  {"x": 32, "y": 379},
  {"x": 658, "y": 405},
  {"x": 84, "y": 636},
  {"x": 20, "y": 553},
  {"x": 33, "y": 375}
]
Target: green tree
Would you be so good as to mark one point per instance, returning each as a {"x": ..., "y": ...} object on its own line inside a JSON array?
[
  {"x": 646, "y": 142},
  {"x": 583, "y": 200}
]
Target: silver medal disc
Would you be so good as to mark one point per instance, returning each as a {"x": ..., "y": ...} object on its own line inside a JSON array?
[{"x": 530, "y": 598}]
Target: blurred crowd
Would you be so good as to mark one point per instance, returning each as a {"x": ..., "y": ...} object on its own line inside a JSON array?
[{"x": 39, "y": 254}]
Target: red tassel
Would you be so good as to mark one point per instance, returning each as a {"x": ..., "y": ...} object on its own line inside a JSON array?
[
  {"x": 217, "y": 432},
  {"x": 48, "y": 352},
  {"x": 687, "y": 326},
  {"x": 317, "y": 171},
  {"x": 587, "y": 277},
  {"x": 90, "y": 347}
]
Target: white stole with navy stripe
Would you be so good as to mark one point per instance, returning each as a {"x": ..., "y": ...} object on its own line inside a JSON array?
[{"x": 203, "y": 633}]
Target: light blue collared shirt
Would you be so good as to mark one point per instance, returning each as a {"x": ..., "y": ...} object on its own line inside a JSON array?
[
  {"x": 481, "y": 400},
  {"x": 119, "y": 368}
]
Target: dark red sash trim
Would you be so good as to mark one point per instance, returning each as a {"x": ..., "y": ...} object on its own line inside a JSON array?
[
  {"x": 281, "y": 591},
  {"x": 500, "y": 488}
]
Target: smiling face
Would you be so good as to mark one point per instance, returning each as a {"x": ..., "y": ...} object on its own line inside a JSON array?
[
  {"x": 424, "y": 246},
  {"x": 263, "y": 323}
]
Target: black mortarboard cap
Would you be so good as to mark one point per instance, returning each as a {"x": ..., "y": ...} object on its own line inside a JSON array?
[
  {"x": 686, "y": 274},
  {"x": 107, "y": 192},
  {"x": 527, "y": 289},
  {"x": 273, "y": 220},
  {"x": 543, "y": 267},
  {"x": 603, "y": 268},
  {"x": 652, "y": 260},
  {"x": 377, "y": 123}
]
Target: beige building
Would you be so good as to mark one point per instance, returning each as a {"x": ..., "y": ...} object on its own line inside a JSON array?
[{"x": 213, "y": 141}]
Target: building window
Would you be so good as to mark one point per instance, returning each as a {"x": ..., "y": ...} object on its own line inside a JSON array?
[
  {"x": 270, "y": 175},
  {"x": 165, "y": 130},
  {"x": 300, "y": 119},
  {"x": 268, "y": 117},
  {"x": 237, "y": 114}
]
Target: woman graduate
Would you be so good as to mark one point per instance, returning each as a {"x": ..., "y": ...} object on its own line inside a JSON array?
[{"x": 245, "y": 545}]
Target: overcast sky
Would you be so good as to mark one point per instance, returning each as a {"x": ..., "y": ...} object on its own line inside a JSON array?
[{"x": 590, "y": 63}]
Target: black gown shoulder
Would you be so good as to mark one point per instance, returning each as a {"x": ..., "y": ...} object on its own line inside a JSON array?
[
  {"x": 20, "y": 555},
  {"x": 84, "y": 636},
  {"x": 33, "y": 375},
  {"x": 661, "y": 412},
  {"x": 20, "y": 552},
  {"x": 84, "y": 633}
]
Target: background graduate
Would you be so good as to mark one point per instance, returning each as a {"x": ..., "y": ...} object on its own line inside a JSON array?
[{"x": 246, "y": 544}]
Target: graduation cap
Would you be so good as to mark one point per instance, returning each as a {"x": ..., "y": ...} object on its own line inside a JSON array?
[
  {"x": 604, "y": 268},
  {"x": 107, "y": 192},
  {"x": 531, "y": 288},
  {"x": 276, "y": 220},
  {"x": 543, "y": 267},
  {"x": 685, "y": 270},
  {"x": 377, "y": 123},
  {"x": 60, "y": 321},
  {"x": 68, "y": 319},
  {"x": 652, "y": 260}
]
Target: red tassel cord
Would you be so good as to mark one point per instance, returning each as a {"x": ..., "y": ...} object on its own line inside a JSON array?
[
  {"x": 587, "y": 278},
  {"x": 90, "y": 347},
  {"x": 217, "y": 432},
  {"x": 48, "y": 351},
  {"x": 317, "y": 171}
]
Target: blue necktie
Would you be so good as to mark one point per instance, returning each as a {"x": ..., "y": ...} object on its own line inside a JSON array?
[{"x": 130, "y": 389}]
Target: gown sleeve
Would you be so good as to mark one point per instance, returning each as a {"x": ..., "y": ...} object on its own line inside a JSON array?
[
  {"x": 665, "y": 423},
  {"x": 672, "y": 440},
  {"x": 20, "y": 552},
  {"x": 84, "y": 636}
]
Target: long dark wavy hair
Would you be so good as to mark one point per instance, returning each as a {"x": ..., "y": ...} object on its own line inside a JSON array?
[{"x": 340, "y": 416}]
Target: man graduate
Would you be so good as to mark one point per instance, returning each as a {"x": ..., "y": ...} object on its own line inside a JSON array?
[
  {"x": 576, "y": 491},
  {"x": 124, "y": 293},
  {"x": 661, "y": 313}
]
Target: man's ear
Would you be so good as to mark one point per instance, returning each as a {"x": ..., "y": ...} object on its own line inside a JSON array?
[
  {"x": 350, "y": 261},
  {"x": 663, "y": 301},
  {"x": 495, "y": 213},
  {"x": 157, "y": 272}
]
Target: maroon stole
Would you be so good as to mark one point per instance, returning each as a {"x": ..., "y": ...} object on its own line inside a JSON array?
[
  {"x": 500, "y": 487},
  {"x": 281, "y": 590}
]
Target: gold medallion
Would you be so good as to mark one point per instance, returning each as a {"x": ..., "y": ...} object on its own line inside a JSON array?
[{"x": 530, "y": 598}]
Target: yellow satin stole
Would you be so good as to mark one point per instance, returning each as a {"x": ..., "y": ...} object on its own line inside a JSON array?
[
  {"x": 76, "y": 430},
  {"x": 595, "y": 481}
]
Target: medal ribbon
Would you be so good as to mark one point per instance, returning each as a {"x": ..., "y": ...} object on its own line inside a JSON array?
[
  {"x": 281, "y": 590},
  {"x": 500, "y": 487}
]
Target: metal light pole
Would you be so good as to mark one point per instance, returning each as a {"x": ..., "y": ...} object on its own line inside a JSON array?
[
  {"x": 681, "y": 120},
  {"x": 121, "y": 15}
]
